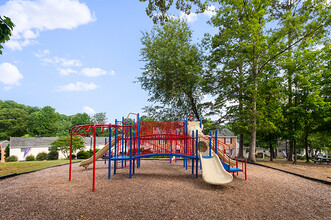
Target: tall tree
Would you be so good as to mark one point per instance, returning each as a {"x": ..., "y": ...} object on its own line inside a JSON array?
[
  {"x": 99, "y": 118},
  {"x": 173, "y": 67},
  {"x": 81, "y": 119},
  {"x": 44, "y": 122},
  {"x": 6, "y": 28},
  {"x": 299, "y": 21},
  {"x": 13, "y": 122}
]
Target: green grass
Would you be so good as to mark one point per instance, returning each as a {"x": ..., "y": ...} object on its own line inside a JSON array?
[{"x": 26, "y": 166}]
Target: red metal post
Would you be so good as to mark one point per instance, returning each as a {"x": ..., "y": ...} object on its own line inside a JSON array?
[
  {"x": 245, "y": 169},
  {"x": 94, "y": 129},
  {"x": 237, "y": 164},
  {"x": 70, "y": 154}
]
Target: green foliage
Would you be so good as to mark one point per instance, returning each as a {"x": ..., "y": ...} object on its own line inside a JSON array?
[
  {"x": 157, "y": 10},
  {"x": 7, "y": 152},
  {"x": 13, "y": 122},
  {"x": 99, "y": 118},
  {"x": 146, "y": 118},
  {"x": 63, "y": 144},
  {"x": 12, "y": 158},
  {"x": 30, "y": 158},
  {"x": 172, "y": 71},
  {"x": 83, "y": 155},
  {"x": 81, "y": 119},
  {"x": 41, "y": 156},
  {"x": 53, "y": 155},
  {"x": 44, "y": 122},
  {"x": 6, "y": 28}
]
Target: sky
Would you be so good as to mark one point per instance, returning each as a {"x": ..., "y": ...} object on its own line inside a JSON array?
[{"x": 79, "y": 55}]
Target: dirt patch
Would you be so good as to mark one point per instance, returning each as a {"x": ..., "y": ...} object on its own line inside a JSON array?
[{"x": 160, "y": 190}]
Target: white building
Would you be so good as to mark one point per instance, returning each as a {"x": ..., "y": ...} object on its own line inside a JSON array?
[{"x": 36, "y": 145}]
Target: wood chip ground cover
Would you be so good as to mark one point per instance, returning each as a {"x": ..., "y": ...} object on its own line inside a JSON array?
[{"x": 160, "y": 190}]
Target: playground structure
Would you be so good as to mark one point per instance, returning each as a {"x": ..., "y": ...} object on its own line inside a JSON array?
[
  {"x": 129, "y": 142},
  {"x": 2, "y": 151}
]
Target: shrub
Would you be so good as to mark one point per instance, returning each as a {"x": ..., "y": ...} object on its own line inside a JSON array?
[
  {"x": 73, "y": 156},
  {"x": 83, "y": 155},
  {"x": 259, "y": 155},
  {"x": 11, "y": 159},
  {"x": 41, "y": 156},
  {"x": 30, "y": 158},
  {"x": 53, "y": 155}
]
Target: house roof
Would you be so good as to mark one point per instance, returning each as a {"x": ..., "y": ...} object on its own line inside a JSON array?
[{"x": 224, "y": 132}]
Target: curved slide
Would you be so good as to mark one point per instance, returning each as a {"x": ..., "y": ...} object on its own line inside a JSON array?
[
  {"x": 213, "y": 171},
  {"x": 100, "y": 153}
]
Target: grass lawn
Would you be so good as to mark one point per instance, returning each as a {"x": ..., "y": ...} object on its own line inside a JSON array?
[{"x": 25, "y": 166}]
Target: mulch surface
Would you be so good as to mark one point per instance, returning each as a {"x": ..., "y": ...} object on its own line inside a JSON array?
[
  {"x": 160, "y": 190},
  {"x": 311, "y": 169}
]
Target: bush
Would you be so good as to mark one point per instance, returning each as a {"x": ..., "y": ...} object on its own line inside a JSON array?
[
  {"x": 30, "y": 158},
  {"x": 41, "y": 156},
  {"x": 53, "y": 155},
  {"x": 11, "y": 159},
  {"x": 259, "y": 155},
  {"x": 73, "y": 156},
  {"x": 83, "y": 155}
]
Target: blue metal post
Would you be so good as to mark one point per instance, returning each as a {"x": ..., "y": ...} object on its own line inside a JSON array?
[
  {"x": 130, "y": 151},
  {"x": 216, "y": 142},
  {"x": 192, "y": 152},
  {"x": 115, "y": 151},
  {"x": 138, "y": 135},
  {"x": 196, "y": 152},
  {"x": 122, "y": 140},
  {"x": 109, "y": 158},
  {"x": 209, "y": 143},
  {"x": 134, "y": 147}
]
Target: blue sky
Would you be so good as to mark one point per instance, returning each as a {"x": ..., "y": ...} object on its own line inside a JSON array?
[{"x": 79, "y": 55}]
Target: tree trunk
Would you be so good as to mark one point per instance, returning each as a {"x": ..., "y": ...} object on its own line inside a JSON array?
[
  {"x": 306, "y": 144},
  {"x": 271, "y": 152},
  {"x": 251, "y": 156},
  {"x": 241, "y": 146},
  {"x": 295, "y": 152},
  {"x": 290, "y": 155}
]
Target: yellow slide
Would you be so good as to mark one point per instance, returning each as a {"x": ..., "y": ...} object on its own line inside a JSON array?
[
  {"x": 213, "y": 171},
  {"x": 100, "y": 153}
]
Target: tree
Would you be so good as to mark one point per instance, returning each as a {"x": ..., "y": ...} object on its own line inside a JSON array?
[
  {"x": 63, "y": 144},
  {"x": 64, "y": 125},
  {"x": 44, "y": 122},
  {"x": 173, "y": 67},
  {"x": 13, "y": 122},
  {"x": 6, "y": 28},
  {"x": 300, "y": 22},
  {"x": 81, "y": 119},
  {"x": 99, "y": 118},
  {"x": 157, "y": 10}
]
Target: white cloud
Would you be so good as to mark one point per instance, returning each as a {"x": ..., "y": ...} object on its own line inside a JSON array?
[
  {"x": 210, "y": 11},
  {"x": 9, "y": 75},
  {"x": 192, "y": 17},
  {"x": 88, "y": 110},
  {"x": 78, "y": 86},
  {"x": 62, "y": 61},
  {"x": 32, "y": 17},
  {"x": 66, "y": 72},
  {"x": 94, "y": 72},
  {"x": 41, "y": 54}
]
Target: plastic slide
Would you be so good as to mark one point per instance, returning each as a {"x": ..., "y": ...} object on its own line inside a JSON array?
[
  {"x": 213, "y": 171},
  {"x": 100, "y": 153}
]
